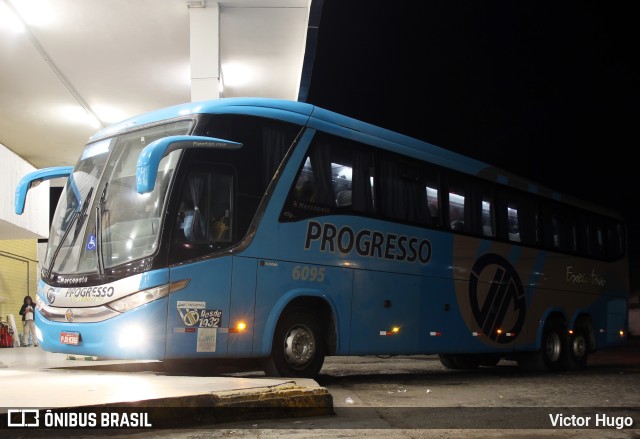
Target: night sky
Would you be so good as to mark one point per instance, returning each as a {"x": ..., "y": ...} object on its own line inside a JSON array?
[{"x": 546, "y": 90}]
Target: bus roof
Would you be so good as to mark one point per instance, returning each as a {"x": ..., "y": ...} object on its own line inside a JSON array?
[{"x": 307, "y": 114}]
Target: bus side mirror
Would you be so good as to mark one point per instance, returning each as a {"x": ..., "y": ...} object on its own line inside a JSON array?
[
  {"x": 33, "y": 179},
  {"x": 149, "y": 159}
]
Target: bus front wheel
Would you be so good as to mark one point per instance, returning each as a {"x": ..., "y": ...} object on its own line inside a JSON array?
[{"x": 298, "y": 347}]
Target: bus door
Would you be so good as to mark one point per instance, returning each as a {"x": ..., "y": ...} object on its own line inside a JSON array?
[
  {"x": 201, "y": 272},
  {"x": 385, "y": 315}
]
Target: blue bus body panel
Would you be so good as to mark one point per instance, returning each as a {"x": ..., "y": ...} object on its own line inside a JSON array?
[
  {"x": 279, "y": 282},
  {"x": 104, "y": 338},
  {"x": 290, "y": 111},
  {"x": 242, "y": 306},
  {"x": 198, "y": 315}
]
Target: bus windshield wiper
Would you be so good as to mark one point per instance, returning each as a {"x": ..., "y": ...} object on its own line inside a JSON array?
[
  {"x": 76, "y": 215},
  {"x": 83, "y": 214},
  {"x": 99, "y": 213}
]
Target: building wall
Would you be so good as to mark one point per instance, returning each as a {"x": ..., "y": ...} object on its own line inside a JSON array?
[{"x": 18, "y": 276}]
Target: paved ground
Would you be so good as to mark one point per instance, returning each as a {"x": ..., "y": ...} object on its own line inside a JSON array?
[
  {"x": 34, "y": 379},
  {"x": 124, "y": 387}
]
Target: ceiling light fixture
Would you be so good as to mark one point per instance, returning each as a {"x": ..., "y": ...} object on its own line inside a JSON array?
[
  {"x": 196, "y": 4},
  {"x": 9, "y": 20},
  {"x": 236, "y": 74}
]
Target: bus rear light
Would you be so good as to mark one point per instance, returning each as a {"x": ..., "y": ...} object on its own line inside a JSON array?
[
  {"x": 477, "y": 334},
  {"x": 435, "y": 333}
]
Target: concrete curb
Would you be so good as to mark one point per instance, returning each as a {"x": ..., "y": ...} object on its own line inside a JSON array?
[{"x": 287, "y": 400}]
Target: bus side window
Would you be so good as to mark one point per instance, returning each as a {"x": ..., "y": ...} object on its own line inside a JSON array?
[
  {"x": 487, "y": 216},
  {"x": 305, "y": 188},
  {"x": 405, "y": 191},
  {"x": 191, "y": 214},
  {"x": 433, "y": 203},
  {"x": 206, "y": 210},
  {"x": 457, "y": 199},
  {"x": 343, "y": 199},
  {"x": 336, "y": 177},
  {"x": 190, "y": 227},
  {"x": 513, "y": 227}
]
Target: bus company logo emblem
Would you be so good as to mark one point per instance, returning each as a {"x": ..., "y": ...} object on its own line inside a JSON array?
[
  {"x": 51, "y": 296},
  {"x": 502, "y": 296},
  {"x": 68, "y": 315},
  {"x": 189, "y": 316}
]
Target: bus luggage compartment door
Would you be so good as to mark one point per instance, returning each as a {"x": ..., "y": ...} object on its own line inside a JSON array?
[{"x": 385, "y": 313}]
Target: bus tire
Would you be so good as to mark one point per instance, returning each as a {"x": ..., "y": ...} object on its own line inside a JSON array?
[
  {"x": 490, "y": 360},
  {"x": 460, "y": 362},
  {"x": 578, "y": 347},
  {"x": 552, "y": 349},
  {"x": 298, "y": 347}
]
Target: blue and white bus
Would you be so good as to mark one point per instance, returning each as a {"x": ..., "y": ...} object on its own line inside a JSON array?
[{"x": 281, "y": 232}]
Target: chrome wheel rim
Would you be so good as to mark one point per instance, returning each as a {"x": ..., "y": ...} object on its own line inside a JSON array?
[{"x": 299, "y": 346}]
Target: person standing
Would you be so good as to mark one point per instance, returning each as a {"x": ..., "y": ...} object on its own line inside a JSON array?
[{"x": 28, "y": 322}]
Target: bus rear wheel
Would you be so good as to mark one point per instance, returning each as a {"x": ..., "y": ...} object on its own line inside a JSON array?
[
  {"x": 578, "y": 347},
  {"x": 552, "y": 349},
  {"x": 298, "y": 347},
  {"x": 460, "y": 362}
]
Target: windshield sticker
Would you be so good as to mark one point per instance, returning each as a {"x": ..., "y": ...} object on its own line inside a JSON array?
[{"x": 91, "y": 243}]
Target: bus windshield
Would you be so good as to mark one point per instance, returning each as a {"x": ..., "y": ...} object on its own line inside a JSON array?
[{"x": 100, "y": 197}]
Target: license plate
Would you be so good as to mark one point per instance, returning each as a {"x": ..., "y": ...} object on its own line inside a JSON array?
[{"x": 70, "y": 338}]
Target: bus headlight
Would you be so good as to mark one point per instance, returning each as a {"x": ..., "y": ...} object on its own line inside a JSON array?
[
  {"x": 132, "y": 336},
  {"x": 138, "y": 299}
]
